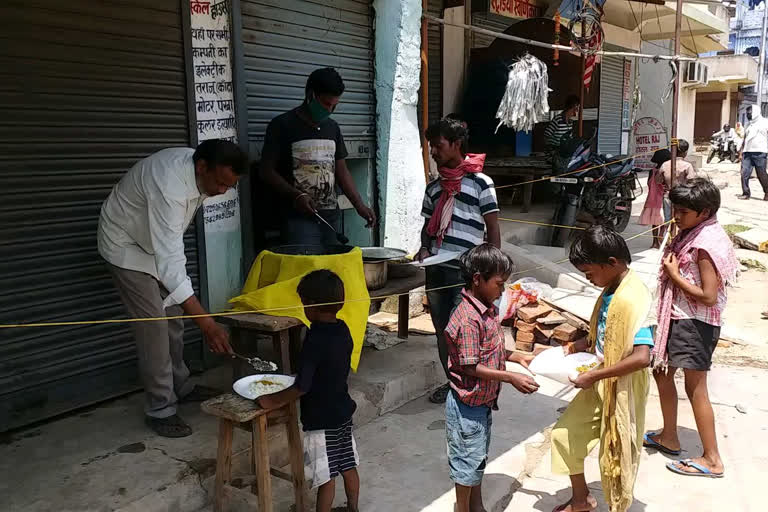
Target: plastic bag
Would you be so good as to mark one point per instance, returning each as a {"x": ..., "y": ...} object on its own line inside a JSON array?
[
  {"x": 555, "y": 365},
  {"x": 523, "y": 291}
]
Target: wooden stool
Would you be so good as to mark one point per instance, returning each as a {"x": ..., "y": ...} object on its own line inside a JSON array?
[{"x": 235, "y": 411}]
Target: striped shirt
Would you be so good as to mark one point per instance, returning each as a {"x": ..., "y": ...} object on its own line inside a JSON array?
[
  {"x": 557, "y": 128},
  {"x": 467, "y": 228}
]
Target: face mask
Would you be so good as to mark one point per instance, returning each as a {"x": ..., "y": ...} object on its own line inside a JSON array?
[{"x": 318, "y": 112}]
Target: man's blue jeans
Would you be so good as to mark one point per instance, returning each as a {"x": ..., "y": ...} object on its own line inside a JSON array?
[{"x": 757, "y": 161}]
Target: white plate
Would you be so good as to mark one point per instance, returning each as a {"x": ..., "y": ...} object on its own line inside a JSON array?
[
  {"x": 441, "y": 257},
  {"x": 555, "y": 365},
  {"x": 243, "y": 386}
]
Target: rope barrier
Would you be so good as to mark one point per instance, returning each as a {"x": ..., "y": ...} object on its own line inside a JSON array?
[{"x": 267, "y": 310}]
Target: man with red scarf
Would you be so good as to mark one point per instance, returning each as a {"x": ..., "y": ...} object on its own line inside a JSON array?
[{"x": 461, "y": 212}]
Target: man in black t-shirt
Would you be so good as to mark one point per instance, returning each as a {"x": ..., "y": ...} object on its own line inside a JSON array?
[{"x": 303, "y": 161}]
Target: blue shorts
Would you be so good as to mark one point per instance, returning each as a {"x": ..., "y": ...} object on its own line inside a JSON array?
[{"x": 468, "y": 435}]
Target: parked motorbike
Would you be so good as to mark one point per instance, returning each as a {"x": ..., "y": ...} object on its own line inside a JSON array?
[
  {"x": 593, "y": 186},
  {"x": 722, "y": 147}
]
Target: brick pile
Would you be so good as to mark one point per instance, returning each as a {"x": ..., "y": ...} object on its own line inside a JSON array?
[{"x": 539, "y": 324}]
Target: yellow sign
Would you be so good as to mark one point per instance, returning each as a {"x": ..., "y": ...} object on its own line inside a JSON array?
[{"x": 520, "y": 9}]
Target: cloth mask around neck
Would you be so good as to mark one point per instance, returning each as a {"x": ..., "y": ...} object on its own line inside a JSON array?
[{"x": 318, "y": 112}]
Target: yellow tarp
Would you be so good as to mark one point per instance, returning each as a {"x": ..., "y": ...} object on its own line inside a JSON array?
[{"x": 273, "y": 280}]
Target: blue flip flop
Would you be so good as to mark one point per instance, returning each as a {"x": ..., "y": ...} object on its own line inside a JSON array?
[
  {"x": 650, "y": 443},
  {"x": 702, "y": 471}
]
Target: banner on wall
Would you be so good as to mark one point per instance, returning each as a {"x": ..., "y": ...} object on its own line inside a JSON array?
[
  {"x": 648, "y": 135},
  {"x": 214, "y": 98},
  {"x": 518, "y": 9}
]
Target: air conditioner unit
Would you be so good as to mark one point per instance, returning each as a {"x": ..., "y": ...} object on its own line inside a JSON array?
[{"x": 696, "y": 73}]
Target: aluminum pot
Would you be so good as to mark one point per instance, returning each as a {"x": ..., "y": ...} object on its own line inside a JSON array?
[{"x": 375, "y": 274}]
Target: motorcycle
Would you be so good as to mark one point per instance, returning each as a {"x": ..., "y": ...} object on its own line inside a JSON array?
[
  {"x": 722, "y": 147},
  {"x": 595, "y": 185}
]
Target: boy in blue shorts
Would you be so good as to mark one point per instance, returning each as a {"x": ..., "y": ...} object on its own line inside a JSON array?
[{"x": 476, "y": 369}]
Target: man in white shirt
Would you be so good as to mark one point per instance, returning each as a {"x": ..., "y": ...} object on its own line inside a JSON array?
[
  {"x": 754, "y": 150},
  {"x": 141, "y": 235}
]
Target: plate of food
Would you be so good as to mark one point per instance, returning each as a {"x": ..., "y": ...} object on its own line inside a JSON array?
[
  {"x": 254, "y": 386},
  {"x": 554, "y": 364}
]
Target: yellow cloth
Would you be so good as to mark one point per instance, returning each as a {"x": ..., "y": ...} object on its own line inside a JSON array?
[
  {"x": 273, "y": 280},
  {"x": 614, "y": 412}
]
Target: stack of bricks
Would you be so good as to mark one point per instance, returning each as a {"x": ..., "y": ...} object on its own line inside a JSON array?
[{"x": 539, "y": 325}]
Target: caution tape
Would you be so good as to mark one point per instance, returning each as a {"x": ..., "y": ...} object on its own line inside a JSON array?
[{"x": 267, "y": 310}]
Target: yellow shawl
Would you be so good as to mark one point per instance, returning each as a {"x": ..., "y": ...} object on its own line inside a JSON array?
[
  {"x": 619, "y": 449},
  {"x": 273, "y": 280}
]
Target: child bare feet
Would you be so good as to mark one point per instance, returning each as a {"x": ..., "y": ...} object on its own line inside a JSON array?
[{"x": 589, "y": 503}]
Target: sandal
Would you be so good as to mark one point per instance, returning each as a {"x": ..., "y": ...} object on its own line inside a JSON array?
[
  {"x": 200, "y": 394},
  {"x": 440, "y": 395},
  {"x": 172, "y": 426},
  {"x": 648, "y": 442},
  {"x": 700, "y": 470}
]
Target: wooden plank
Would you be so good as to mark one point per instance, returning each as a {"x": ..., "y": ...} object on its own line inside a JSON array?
[
  {"x": 403, "y": 316},
  {"x": 398, "y": 285},
  {"x": 260, "y": 322},
  {"x": 223, "y": 464},
  {"x": 281, "y": 344},
  {"x": 263, "y": 478},
  {"x": 531, "y": 162}
]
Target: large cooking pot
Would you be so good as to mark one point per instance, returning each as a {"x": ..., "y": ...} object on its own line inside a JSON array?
[{"x": 374, "y": 259}]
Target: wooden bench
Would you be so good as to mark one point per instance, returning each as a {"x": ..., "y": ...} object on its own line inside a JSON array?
[
  {"x": 526, "y": 167},
  {"x": 235, "y": 411},
  {"x": 286, "y": 331}
]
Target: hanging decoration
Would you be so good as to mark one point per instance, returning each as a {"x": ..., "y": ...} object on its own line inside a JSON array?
[
  {"x": 590, "y": 42},
  {"x": 525, "y": 100}
]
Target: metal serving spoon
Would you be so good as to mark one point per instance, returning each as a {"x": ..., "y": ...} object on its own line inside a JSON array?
[{"x": 258, "y": 364}]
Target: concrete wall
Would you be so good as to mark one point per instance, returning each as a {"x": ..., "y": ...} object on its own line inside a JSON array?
[
  {"x": 221, "y": 214},
  {"x": 686, "y": 113},
  {"x": 453, "y": 61},
  {"x": 398, "y": 157}
]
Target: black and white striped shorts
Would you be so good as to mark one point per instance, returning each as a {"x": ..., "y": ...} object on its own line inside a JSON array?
[{"x": 328, "y": 453}]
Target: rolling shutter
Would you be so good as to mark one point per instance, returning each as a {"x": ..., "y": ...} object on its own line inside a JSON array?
[
  {"x": 609, "y": 115},
  {"x": 88, "y": 88},
  {"x": 283, "y": 42}
]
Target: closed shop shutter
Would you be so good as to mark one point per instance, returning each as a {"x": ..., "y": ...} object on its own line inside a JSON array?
[
  {"x": 435, "y": 62},
  {"x": 283, "y": 42},
  {"x": 488, "y": 21},
  {"x": 88, "y": 88},
  {"x": 609, "y": 115}
]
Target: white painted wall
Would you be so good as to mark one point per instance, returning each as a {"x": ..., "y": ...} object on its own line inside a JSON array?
[
  {"x": 652, "y": 80},
  {"x": 398, "y": 156}
]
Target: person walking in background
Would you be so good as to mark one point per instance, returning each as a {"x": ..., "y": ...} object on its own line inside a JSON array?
[
  {"x": 141, "y": 236},
  {"x": 459, "y": 209},
  {"x": 304, "y": 159},
  {"x": 753, "y": 152},
  {"x": 698, "y": 266},
  {"x": 652, "y": 210}
]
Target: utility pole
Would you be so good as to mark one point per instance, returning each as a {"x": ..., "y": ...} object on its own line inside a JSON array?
[
  {"x": 676, "y": 90},
  {"x": 761, "y": 63}
]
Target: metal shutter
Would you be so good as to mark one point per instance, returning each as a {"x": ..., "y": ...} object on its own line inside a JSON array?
[
  {"x": 435, "y": 62},
  {"x": 88, "y": 88},
  {"x": 609, "y": 115},
  {"x": 283, "y": 42},
  {"x": 488, "y": 21}
]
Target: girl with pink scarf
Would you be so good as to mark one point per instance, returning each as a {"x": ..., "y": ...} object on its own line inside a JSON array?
[{"x": 698, "y": 266}]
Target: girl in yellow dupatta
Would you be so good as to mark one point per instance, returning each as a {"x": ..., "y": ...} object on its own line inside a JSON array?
[{"x": 610, "y": 407}]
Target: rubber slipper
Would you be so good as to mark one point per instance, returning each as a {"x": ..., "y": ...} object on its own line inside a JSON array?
[
  {"x": 650, "y": 443},
  {"x": 702, "y": 471}
]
